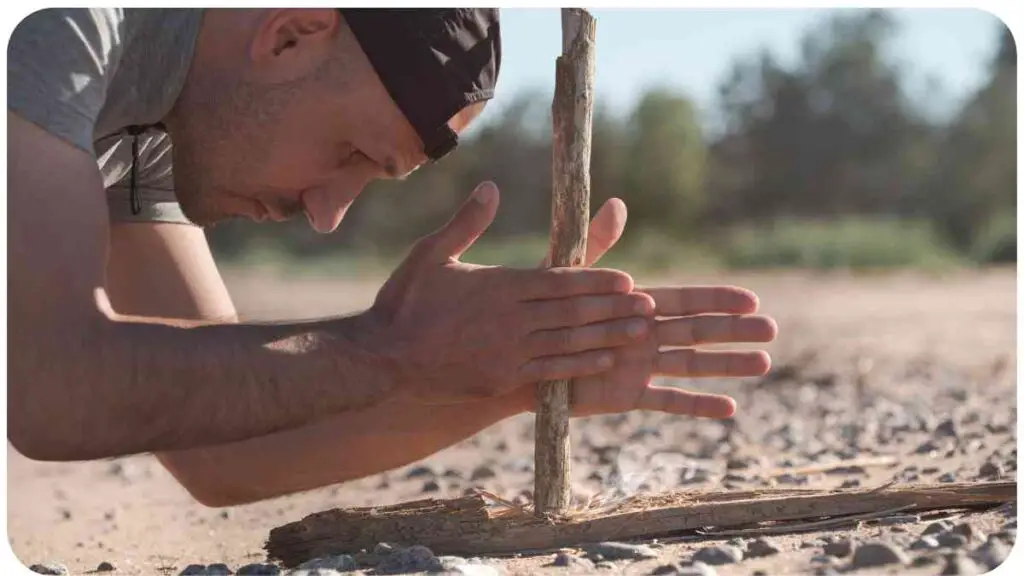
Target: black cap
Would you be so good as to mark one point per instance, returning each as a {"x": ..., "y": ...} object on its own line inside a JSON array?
[{"x": 433, "y": 62}]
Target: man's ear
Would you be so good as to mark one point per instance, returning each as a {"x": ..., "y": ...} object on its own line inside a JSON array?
[{"x": 292, "y": 42}]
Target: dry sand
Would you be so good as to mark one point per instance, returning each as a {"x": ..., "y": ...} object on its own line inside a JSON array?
[{"x": 942, "y": 353}]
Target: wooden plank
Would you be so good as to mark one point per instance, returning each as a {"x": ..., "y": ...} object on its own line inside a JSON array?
[
  {"x": 469, "y": 526},
  {"x": 572, "y": 117}
]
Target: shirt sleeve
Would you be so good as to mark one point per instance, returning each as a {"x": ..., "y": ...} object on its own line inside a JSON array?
[{"x": 60, "y": 61}]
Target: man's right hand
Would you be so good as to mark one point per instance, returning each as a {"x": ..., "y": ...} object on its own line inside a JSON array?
[{"x": 457, "y": 332}]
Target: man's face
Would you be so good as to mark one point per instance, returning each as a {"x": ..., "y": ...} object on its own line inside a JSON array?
[{"x": 312, "y": 150}]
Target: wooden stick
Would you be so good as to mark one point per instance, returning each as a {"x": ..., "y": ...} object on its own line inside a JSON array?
[
  {"x": 572, "y": 115},
  {"x": 467, "y": 526}
]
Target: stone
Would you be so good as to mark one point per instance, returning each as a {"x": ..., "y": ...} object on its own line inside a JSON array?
[
  {"x": 968, "y": 531},
  {"x": 992, "y": 553},
  {"x": 948, "y": 428},
  {"x": 49, "y": 568},
  {"x": 851, "y": 483},
  {"x": 931, "y": 470},
  {"x": 951, "y": 540},
  {"x": 383, "y": 549},
  {"x": 960, "y": 564},
  {"x": 619, "y": 551},
  {"x": 605, "y": 565},
  {"x": 991, "y": 470},
  {"x": 218, "y": 570},
  {"x": 191, "y": 570},
  {"x": 718, "y": 555},
  {"x": 874, "y": 554},
  {"x": 823, "y": 559},
  {"x": 926, "y": 447},
  {"x": 565, "y": 560},
  {"x": 482, "y": 472},
  {"x": 105, "y": 567},
  {"x": 839, "y": 548},
  {"x": 760, "y": 548},
  {"x": 938, "y": 527},
  {"x": 684, "y": 569},
  {"x": 1008, "y": 535},
  {"x": 421, "y": 472},
  {"x": 258, "y": 570},
  {"x": 341, "y": 563},
  {"x": 947, "y": 477},
  {"x": 925, "y": 543},
  {"x": 431, "y": 486},
  {"x": 411, "y": 559}
]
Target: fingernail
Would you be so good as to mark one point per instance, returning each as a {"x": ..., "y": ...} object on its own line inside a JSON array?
[
  {"x": 636, "y": 328},
  {"x": 484, "y": 193}
]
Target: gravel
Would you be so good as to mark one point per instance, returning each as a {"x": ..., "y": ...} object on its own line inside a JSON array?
[
  {"x": 619, "y": 551},
  {"x": 718, "y": 555}
]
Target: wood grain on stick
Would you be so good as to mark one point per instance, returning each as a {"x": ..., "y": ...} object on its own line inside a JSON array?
[
  {"x": 572, "y": 115},
  {"x": 469, "y": 526}
]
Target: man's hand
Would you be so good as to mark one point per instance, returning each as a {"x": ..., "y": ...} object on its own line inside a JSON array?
[
  {"x": 459, "y": 332},
  {"x": 686, "y": 317}
]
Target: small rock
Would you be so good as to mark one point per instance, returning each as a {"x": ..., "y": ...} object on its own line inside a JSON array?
[
  {"x": 792, "y": 479},
  {"x": 990, "y": 470},
  {"x": 740, "y": 463},
  {"x": 992, "y": 553},
  {"x": 947, "y": 477},
  {"x": 619, "y": 551},
  {"x": 105, "y": 567},
  {"x": 810, "y": 544},
  {"x": 925, "y": 543},
  {"x": 411, "y": 559},
  {"x": 960, "y": 564},
  {"x": 564, "y": 560},
  {"x": 968, "y": 531},
  {"x": 947, "y": 429},
  {"x": 952, "y": 540},
  {"x": 453, "y": 473},
  {"x": 218, "y": 570},
  {"x": 48, "y": 568},
  {"x": 823, "y": 559},
  {"x": 341, "y": 563},
  {"x": 193, "y": 570},
  {"x": 258, "y": 570},
  {"x": 938, "y": 527},
  {"x": 739, "y": 543},
  {"x": 604, "y": 566},
  {"x": 383, "y": 549},
  {"x": 927, "y": 447},
  {"x": 421, "y": 472},
  {"x": 924, "y": 560},
  {"x": 851, "y": 483},
  {"x": 930, "y": 470},
  {"x": 839, "y": 548},
  {"x": 760, "y": 548},
  {"x": 65, "y": 514},
  {"x": 685, "y": 569},
  {"x": 431, "y": 486},
  {"x": 733, "y": 477},
  {"x": 872, "y": 554},
  {"x": 718, "y": 555},
  {"x": 482, "y": 472},
  {"x": 1008, "y": 535}
]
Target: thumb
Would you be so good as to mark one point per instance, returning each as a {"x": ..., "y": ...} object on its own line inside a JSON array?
[{"x": 467, "y": 225}]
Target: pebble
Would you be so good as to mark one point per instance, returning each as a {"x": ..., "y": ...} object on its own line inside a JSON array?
[
  {"x": 947, "y": 429},
  {"x": 872, "y": 554},
  {"x": 258, "y": 570},
  {"x": 991, "y": 470},
  {"x": 968, "y": 531},
  {"x": 604, "y": 566},
  {"x": 48, "y": 568},
  {"x": 564, "y": 560},
  {"x": 925, "y": 543},
  {"x": 823, "y": 559},
  {"x": 951, "y": 540},
  {"x": 960, "y": 564},
  {"x": 927, "y": 447},
  {"x": 619, "y": 551},
  {"x": 851, "y": 483},
  {"x": 341, "y": 563},
  {"x": 938, "y": 527},
  {"x": 739, "y": 543},
  {"x": 105, "y": 567},
  {"x": 431, "y": 486},
  {"x": 453, "y": 473},
  {"x": 421, "y": 472},
  {"x": 482, "y": 472},
  {"x": 947, "y": 477},
  {"x": 411, "y": 559},
  {"x": 931, "y": 470},
  {"x": 218, "y": 570},
  {"x": 839, "y": 548},
  {"x": 684, "y": 569},
  {"x": 760, "y": 548},
  {"x": 718, "y": 555},
  {"x": 190, "y": 570}
]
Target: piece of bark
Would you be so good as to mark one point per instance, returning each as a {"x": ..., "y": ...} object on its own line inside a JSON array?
[
  {"x": 572, "y": 118},
  {"x": 468, "y": 526}
]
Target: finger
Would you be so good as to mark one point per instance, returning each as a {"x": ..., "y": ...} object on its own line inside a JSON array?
[
  {"x": 583, "y": 310},
  {"x": 605, "y": 230},
  {"x": 569, "y": 366},
  {"x": 706, "y": 364},
  {"x": 465, "y": 227},
  {"x": 552, "y": 283},
  {"x": 682, "y": 402},
  {"x": 593, "y": 337},
  {"x": 679, "y": 301},
  {"x": 696, "y": 330}
]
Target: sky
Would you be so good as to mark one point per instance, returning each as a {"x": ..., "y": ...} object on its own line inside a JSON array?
[{"x": 691, "y": 50}]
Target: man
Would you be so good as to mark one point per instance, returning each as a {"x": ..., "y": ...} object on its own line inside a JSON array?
[{"x": 123, "y": 337}]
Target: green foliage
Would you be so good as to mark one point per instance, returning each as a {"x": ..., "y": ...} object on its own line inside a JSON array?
[
  {"x": 997, "y": 241},
  {"x": 855, "y": 244}
]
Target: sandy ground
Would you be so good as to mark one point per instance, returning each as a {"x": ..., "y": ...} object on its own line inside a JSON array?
[{"x": 942, "y": 353}]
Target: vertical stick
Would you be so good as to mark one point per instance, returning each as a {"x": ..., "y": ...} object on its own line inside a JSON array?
[{"x": 572, "y": 115}]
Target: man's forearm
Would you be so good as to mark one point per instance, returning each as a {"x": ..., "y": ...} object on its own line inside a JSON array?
[
  {"x": 131, "y": 387},
  {"x": 344, "y": 447}
]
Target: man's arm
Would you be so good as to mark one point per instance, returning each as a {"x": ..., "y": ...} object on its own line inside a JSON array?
[{"x": 83, "y": 384}]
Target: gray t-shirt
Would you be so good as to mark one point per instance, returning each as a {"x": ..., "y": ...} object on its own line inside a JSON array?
[{"x": 85, "y": 75}]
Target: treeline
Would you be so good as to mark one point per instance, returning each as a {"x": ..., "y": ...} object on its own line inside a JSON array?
[{"x": 820, "y": 163}]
